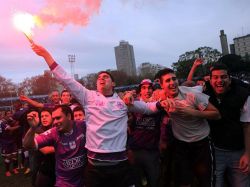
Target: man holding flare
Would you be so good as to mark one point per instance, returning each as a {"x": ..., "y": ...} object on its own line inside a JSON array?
[{"x": 106, "y": 119}]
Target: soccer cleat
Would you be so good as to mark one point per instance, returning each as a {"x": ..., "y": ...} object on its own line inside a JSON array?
[
  {"x": 7, "y": 174},
  {"x": 27, "y": 171}
]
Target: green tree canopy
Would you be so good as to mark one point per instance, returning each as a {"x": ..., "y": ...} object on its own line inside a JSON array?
[{"x": 186, "y": 60}]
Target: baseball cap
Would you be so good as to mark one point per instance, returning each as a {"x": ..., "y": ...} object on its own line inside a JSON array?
[{"x": 146, "y": 81}]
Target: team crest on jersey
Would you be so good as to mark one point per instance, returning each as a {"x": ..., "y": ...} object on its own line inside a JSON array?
[
  {"x": 72, "y": 145},
  {"x": 120, "y": 105}
]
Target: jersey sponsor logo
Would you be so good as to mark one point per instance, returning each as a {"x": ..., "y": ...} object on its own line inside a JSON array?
[
  {"x": 148, "y": 123},
  {"x": 99, "y": 103},
  {"x": 73, "y": 163}
]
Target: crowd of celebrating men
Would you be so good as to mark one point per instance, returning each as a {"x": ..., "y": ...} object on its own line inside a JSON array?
[{"x": 197, "y": 134}]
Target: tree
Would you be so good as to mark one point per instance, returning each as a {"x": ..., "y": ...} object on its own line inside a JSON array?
[
  {"x": 7, "y": 88},
  {"x": 185, "y": 62},
  {"x": 38, "y": 85},
  {"x": 25, "y": 87},
  {"x": 89, "y": 81}
]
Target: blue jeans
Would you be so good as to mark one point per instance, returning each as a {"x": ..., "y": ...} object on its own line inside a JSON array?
[{"x": 229, "y": 161}]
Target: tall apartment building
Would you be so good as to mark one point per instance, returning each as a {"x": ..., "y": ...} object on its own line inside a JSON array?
[
  {"x": 224, "y": 44},
  {"x": 242, "y": 46},
  {"x": 125, "y": 58}
]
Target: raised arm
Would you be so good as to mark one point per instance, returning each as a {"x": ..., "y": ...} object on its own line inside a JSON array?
[
  {"x": 33, "y": 120},
  {"x": 75, "y": 88},
  {"x": 196, "y": 63},
  {"x": 41, "y": 51},
  {"x": 30, "y": 101}
]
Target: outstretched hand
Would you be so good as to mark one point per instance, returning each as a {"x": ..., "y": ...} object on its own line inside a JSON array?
[
  {"x": 23, "y": 98},
  {"x": 198, "y": 62},
  {"x": 128, "y": 98},
  {"x": 168, "y": 105},
  {"x": 33, "y": 119},
  {"x": 41, "y": 51}
]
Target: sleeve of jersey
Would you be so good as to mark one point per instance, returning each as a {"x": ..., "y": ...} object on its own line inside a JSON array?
[
  {"x": 143, "y": 107},
  {"x": 245, "y": 113},
  {"x": 75, "y": 88},
  {"x": 201, "y": 101},
  {"x": 45, "y": 139}
]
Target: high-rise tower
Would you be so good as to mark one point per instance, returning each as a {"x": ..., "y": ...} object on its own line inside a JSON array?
[
  {"x": 125, "y": 59},
  {"x": 223, "y": 41}
]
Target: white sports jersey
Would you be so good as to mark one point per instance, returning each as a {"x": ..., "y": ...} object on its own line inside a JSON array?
[{"x": 106, "y": 117}]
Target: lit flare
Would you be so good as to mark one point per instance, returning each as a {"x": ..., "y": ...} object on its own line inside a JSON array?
[{"x": 25, "y": 22}]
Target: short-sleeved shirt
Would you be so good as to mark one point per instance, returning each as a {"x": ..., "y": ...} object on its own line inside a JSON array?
[
  {"x": 70, "y": 153},
  {"x": 245, "y": 113},
  {"x": 189, "y": 128}
]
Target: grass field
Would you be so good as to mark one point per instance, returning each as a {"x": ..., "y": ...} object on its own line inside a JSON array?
[{"x": 18, "y": 180}]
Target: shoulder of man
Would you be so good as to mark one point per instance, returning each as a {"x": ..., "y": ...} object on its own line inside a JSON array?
[{"x": 240, "y": 86}]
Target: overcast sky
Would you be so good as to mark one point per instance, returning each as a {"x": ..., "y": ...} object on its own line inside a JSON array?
[{"x": 159, "y": 30}]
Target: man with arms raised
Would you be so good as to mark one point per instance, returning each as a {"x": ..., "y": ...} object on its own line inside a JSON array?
[{"x": 106, "y": 119}]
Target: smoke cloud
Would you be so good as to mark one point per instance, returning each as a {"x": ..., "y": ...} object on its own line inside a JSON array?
[{"x": 64, "y": 12}]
